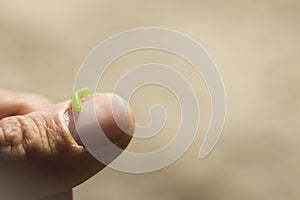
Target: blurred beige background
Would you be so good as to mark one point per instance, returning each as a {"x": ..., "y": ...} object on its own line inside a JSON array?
[{"x": 256, "y": 46}]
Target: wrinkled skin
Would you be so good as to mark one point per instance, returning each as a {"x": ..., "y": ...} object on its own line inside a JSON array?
[{"x": 39, "y": 157}]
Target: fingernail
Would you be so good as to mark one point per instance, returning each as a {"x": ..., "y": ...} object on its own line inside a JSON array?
[{"x": 102, "y": 113}]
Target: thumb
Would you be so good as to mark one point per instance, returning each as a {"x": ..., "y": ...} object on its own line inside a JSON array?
[{"x": 43, "y": 148}]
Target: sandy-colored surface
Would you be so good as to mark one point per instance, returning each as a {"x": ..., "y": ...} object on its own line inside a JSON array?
[{"x": 256, "y": 46}]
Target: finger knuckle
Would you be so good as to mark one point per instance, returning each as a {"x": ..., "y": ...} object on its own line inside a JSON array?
[{"x": 24, "y": 137}]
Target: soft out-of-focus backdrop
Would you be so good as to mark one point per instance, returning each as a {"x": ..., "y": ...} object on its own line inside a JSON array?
[{"x": 256, "y": 46}]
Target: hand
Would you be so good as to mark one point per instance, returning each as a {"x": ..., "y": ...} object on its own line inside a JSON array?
[{"x": 41, "y": 157}]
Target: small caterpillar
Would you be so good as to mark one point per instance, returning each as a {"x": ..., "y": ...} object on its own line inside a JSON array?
[{"x": 76, "y": 99}]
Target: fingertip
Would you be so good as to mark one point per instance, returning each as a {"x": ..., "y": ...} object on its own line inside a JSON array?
[{"x": 114, "y": 116}]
